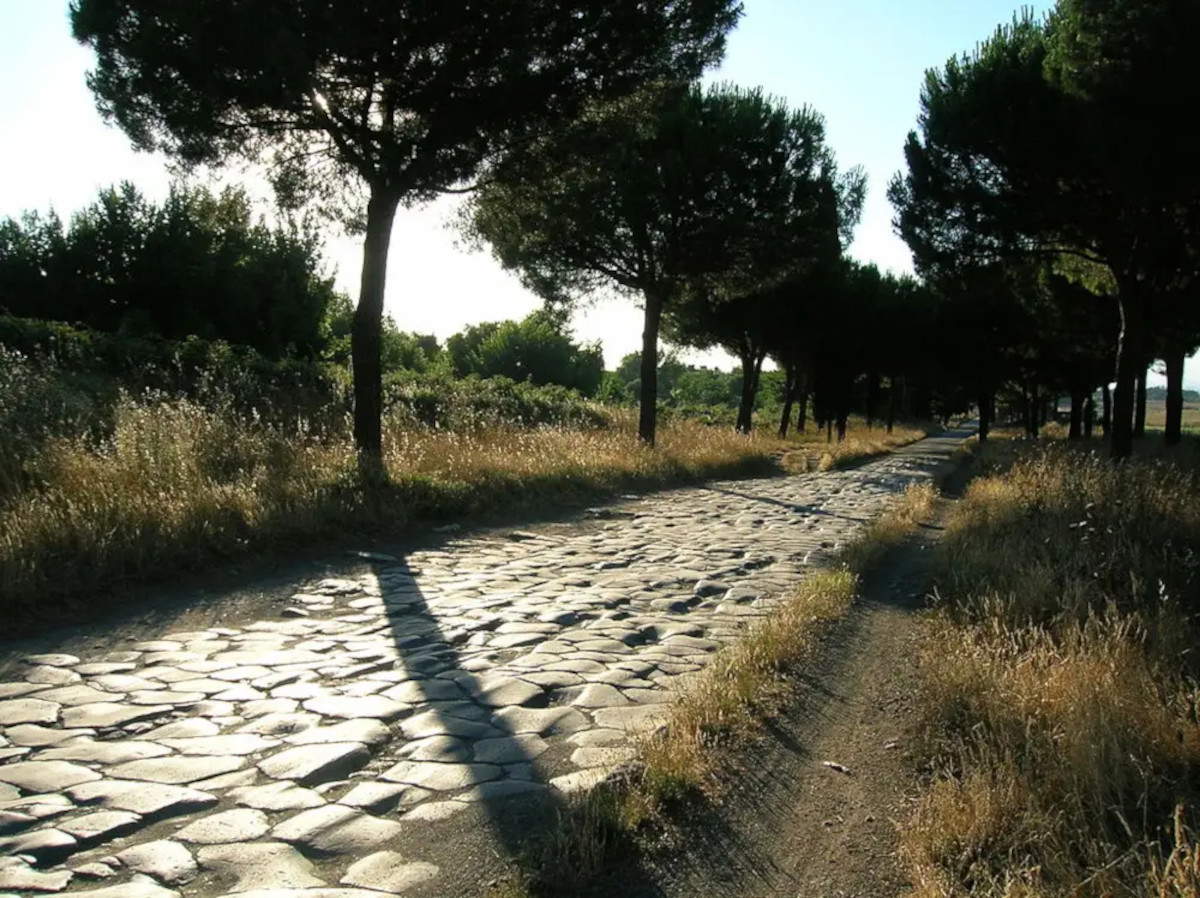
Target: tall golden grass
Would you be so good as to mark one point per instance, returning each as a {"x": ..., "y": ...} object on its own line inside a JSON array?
[
  {"x": 178, "y": 483},
  {"x": 1060, "y": 693}
]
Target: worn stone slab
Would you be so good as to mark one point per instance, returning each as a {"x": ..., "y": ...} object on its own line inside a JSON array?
[
  {"x": 239, "y": 825},
  {"x": 106, "y": 753},
  {"x": 229, "y": 745},
  {"x": 27, "y": 710},
  {"x": 379, "y": 798},
  {"x": 510, "y": 749},
  {"x": 45, "y": 845},
  {"x": 348, "y": 706},
  {"x": 366, "y": 730},
  {"x": 99, "y": 826},
  {"x": 110, "y": 714},
  {"x": 151, "y": 800},
  {"x": 441, "y": 777},
  {"x": 175, "y": 770},
  {"x": 164, "y": 860},
  {"x": 31, "y": 880},
  {"x": 388, "y": 871},
  {"x": 319, "y": 763},
  {"x": 259, "y": 865},
  {"x": 280, "y": 796},
  {"x": 45, "y": 776},
  {"x": 336, "y": 830}
]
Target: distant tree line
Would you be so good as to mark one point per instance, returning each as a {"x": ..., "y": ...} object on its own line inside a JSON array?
[{"x": 196, "y": 264}]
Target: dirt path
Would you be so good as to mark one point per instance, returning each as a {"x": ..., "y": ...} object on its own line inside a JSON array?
[{"x": 789, "y": 824}]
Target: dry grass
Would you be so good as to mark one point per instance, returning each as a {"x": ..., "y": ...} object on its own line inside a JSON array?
[
  {"x": 809, "y": 451},
  {"x": 1059, "y": 686},
  {"x": 178, "y": 484}
]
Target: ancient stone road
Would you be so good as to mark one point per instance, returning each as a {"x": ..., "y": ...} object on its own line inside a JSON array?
[{"x": 310, "y": 756}]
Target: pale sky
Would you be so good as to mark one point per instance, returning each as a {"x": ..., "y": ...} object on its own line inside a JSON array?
[{"x": 859, "y": 62}]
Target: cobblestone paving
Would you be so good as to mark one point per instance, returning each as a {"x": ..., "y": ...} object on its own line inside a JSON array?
[{"x": 285, "y": 758}]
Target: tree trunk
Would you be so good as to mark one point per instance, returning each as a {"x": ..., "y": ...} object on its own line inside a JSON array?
[
  {"x": 648, "y": 412},
  {"x": 1174, "y": 425},
  {"x": 1089, "y": 415},
  {"x": 1106, "y": 411},
  {"x": 791, "y": 377},
  {"x": 1139, "y": 409},
  {"x": 751, "y": 369},
  {"x": 872, "y": 395},
  {"x": 892, "y": 398},
  {"x": 1077, "y": 400},
  {"x": 802, "y": 402},
  {"x": 985, "y": 417},
  {"x": 366, "y": 335},
  {"x": 1129, "y": 357}
]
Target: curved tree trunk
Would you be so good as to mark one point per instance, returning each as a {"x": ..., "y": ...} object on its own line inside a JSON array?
[
  {"x": 752, "y": 360},
  {"x": 1174, "y": 425},
  {"x": 1077, "y": 400},
  {"x": 791, "y": 378},
  {"x": 648, "y": 411},
  {"x": 1129, "y": 357},
  {"x": 366, "y": 335},
  {"x": 802, "y": 400}
]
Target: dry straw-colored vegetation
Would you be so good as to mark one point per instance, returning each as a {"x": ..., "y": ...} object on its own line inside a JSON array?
[
  {"x": 1060, "y": 692},
  {"x": 813, "y": 451},
  {"x": 176, "y": 482},
  {"x": 100, "y": 485},
  {"x": 719, "y": 711}
]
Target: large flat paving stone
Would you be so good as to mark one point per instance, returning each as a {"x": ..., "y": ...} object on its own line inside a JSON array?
[
  {"x": 105, "y": 753},
  {"x": 336, "y": 830},
  {"x": 28, "y": 710},
  {"x": 388, "y": 871},
  {"x": 259, "y": 865},
  {"x": 100, "y": 715},
  {"x": 176, "y": 770},
  {"x": 164, "y": 860},
  {"x": 45, "y": 776},
  {"x": 441, "y": 777},
  {"x": 151, "y": 800},
  {"x": 319, "y": 763},
  {"x": 239, "y": 825}
]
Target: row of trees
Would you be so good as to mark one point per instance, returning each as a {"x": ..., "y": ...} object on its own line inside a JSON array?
[{"x": 1053, "y": 197}]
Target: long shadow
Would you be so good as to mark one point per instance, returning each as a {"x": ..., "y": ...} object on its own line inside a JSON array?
[{"x": 514, "y": 821}]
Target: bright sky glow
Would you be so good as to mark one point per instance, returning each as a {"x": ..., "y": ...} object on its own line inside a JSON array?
[{"x": 859, "y": 62}]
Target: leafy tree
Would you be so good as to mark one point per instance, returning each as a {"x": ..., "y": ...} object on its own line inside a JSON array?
[
  {"x": 1073, "y": 135},
  {"x": 672, "y": 190},
  {"x": 745, "y": 324},
  {"x": 387, "y": 101},
  {"x": 538, "y": 349},
  {"x": 196, "y": 264}
]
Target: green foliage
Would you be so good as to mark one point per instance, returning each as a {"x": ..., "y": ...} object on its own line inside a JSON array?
[
  {"x": 401, "y": 350},
  {"x": 196, "y": 264},
  {"x": 445, "y": 402},
  {"x": 538, "y": 349}
]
